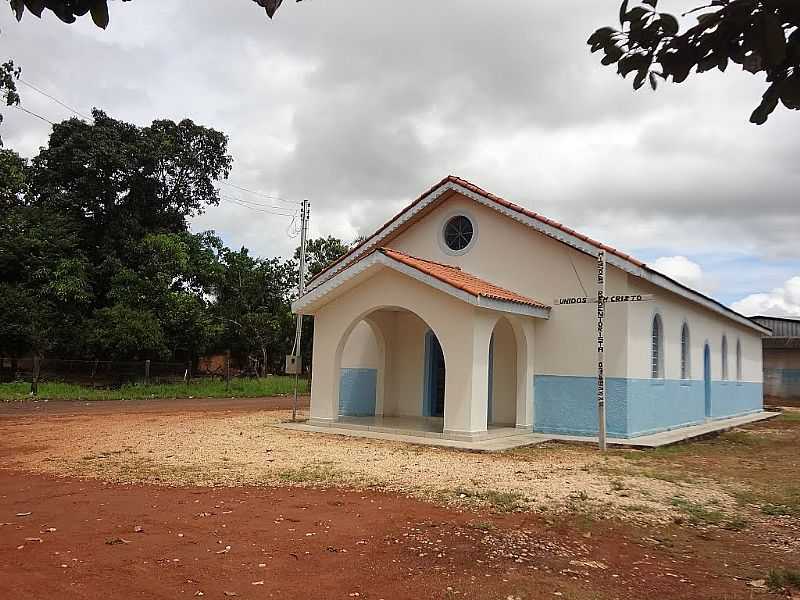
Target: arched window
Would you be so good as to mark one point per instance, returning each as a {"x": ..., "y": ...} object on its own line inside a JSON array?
[
  {"x": 724, "y": 358},
  {"x": 738, "y": 360},
  {"x": 686, "y": 364},
  {"x": 657, "y": 349}
]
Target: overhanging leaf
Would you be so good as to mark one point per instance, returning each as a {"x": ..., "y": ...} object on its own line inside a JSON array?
[{"x": 99, "y": 12}]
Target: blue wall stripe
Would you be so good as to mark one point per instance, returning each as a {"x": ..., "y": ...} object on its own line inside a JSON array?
[
  {"x": 568, "y": 405},
  {"x": 357, "y": 392}
]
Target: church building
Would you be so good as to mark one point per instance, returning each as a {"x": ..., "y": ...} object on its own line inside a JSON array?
[{"x": 446, "y": 318}]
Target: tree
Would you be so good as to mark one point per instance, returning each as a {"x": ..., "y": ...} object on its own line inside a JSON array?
[
  {"x": 9, "y": 73},
  {"x": 253, "y": 302},
  {"x": 322, "y": 252},
  {"x": 71, "y": 10},
  {"x": 95, "y": 251},
  {"x": 763, "y": 36},
  {"x": 122, "y": 332}
]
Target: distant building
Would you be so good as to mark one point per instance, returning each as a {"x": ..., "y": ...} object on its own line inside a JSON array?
[{"x": 781, "y": 358}]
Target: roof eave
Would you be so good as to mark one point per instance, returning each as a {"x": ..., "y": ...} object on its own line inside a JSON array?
[{"x": 314, "y": 298}]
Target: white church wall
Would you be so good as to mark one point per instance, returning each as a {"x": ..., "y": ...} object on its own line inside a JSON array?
[{"x": 514, "y": 256}]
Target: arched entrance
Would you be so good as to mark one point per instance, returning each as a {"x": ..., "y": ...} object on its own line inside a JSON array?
[
  {"x": 503, "y": 382},
  {"x": 392, "y": 372},
  {"x": 435, "y": 375}
]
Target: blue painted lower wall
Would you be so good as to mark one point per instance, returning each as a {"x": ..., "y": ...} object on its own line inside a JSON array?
[
  {"x": 357, "y": 392},
  {"x": 567, "y": 405}
]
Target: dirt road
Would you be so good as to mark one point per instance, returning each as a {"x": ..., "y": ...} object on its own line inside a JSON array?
[{"x": 68, "y": 537}]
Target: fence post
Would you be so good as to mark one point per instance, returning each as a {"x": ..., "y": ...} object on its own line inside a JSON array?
[
  {"x": 147, "y": 372},
  {"x": 35, "y": 378},
  {"x": 227, "y": 370}
]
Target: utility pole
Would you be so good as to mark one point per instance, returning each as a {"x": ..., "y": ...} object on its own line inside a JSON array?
[{"x": 305, "y": 214}]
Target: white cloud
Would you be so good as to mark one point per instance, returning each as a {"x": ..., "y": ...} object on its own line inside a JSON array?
[
  {"x": 360, "y": 106},
  {"x": 780, "y": 302},
  {"x": 686, "y": 271}
]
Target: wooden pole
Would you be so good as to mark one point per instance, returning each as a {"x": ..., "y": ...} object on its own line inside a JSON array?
[
  {"x": 227, "y": 371},
  {"x": 35, "y": 378},
  {"x": 147, "y": 372}
]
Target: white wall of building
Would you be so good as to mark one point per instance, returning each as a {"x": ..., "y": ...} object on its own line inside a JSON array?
[
  {"x": 514, "y": 256},
  {"x": 704, "y": 325}
]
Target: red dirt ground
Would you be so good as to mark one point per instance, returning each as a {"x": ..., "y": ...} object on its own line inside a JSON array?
[{"x": 80, "y": 541}]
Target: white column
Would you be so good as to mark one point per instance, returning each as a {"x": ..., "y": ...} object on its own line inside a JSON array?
[
  {"x": 524, "y": 329},
  {"x": 467, "y": 376},
  {"x": 327, "y": 371}
]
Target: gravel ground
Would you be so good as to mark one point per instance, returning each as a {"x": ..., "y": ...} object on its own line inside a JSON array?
[{"x": 246, "y": 449}]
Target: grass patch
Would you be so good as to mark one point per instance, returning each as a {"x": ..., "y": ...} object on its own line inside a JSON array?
[
  {"x": 778, "y": 510},
  {"x": 736, "y": 524},
  {"x": 789, "y": 417},
  {"x": 648, "y": 472},
  {"x": 203, "y": 388},
  {"x": 639, "y": 508},
  {"x": 697, "y": 513},
  {"x": 499, "y": 501},
  {"x": 779, "y": 579},
  {"x": 313, "y": 473},
  {"x": 481, "y": 525}
]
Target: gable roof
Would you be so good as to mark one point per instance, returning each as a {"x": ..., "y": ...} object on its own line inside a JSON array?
[
  {"x": 553, "y": 229},
  {"x": 457, "y": 278},
  {"x": 445, "y": 278}
]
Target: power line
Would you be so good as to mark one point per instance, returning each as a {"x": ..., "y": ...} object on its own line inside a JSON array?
[
  {"x": 236, "y": 201},
  {"x": 256, "y": 193},
  {"x": 30, "y": 112},
  {"x": 54, "y": 99},
  {"x": 259, "y": 207},
  {"x": 255, "y": 204}
]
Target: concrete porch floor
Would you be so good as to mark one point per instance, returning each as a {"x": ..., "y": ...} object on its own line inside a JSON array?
[{"x": 428, "y": 432}]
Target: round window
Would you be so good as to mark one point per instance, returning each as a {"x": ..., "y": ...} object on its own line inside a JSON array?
[{"x": 458, "y": 233}]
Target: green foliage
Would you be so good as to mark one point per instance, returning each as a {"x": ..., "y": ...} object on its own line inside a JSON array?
[
  {"x": 760, "y": 35},
  {"x": 253, "y": 305},
  {"x": 321, "y": 253},
  {"x": 202, "y": 388},
  {"x": 781, "y": 579},
  {"x": 9, "y": 73},
  {"x": 97, "y": 260},
  {"x": 120, "y": 331},
  {"x": 70, "y": 10}
]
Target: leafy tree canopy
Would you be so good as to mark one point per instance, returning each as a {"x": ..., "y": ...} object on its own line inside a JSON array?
[
  {"x": 763, "y": 36},
  {"x": 71, "y": 10},
  {"x": 321, "y": 252}
]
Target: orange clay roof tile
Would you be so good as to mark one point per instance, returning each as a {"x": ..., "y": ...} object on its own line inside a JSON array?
[{"x": 457, "y": 278}]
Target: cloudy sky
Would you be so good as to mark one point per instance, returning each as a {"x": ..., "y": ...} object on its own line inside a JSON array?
[{"x": 360, "y": 105}]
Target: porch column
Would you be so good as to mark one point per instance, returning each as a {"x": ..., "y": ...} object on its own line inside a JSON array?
[
  {"x": 466, "y": 347},
  {"x": 325, "y": 386},
  {"x": 526, "y": 349}
]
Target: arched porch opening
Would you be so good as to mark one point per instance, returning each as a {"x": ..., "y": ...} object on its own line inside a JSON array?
[
  {"x": 503, "y": 380},
  {"x": 391, "y": 372}
]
